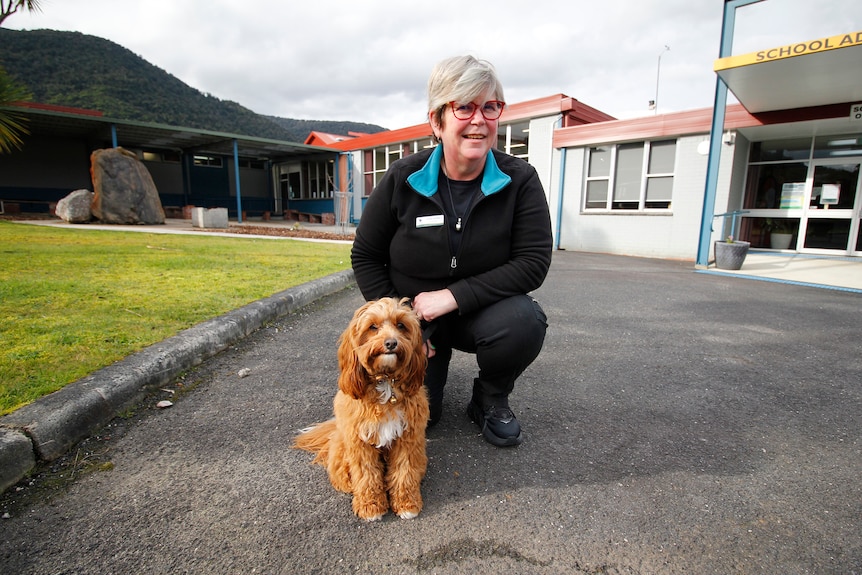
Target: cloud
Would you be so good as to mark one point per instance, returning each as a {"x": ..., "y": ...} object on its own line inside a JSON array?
[{"x": 369, "y": 61}]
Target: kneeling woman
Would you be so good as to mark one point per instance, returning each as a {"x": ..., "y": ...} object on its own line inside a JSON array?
[{"x": 464, "y": 230}]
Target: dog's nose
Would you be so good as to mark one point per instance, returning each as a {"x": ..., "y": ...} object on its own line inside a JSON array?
[{"x": 390, "y": 344}]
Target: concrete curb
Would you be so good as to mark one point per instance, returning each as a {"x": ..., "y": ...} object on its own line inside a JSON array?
[{"x": 48, "y": 428}]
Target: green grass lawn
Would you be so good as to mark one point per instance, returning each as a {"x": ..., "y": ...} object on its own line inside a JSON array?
[{"x": 75, "y": 300}]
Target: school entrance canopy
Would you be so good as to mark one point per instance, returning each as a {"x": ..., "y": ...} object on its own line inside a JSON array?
[{"x": 802, "y": 75}]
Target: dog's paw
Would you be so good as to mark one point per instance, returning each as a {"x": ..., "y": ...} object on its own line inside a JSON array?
[
  {"x": 406, "y": 507},
  {"x": 369, "y": 510}
]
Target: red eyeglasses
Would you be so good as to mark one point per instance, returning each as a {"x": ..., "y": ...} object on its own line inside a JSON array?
[{"x": 491, "y": 110}]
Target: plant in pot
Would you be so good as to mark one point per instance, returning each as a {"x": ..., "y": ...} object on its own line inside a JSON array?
[
  {"x": 780, "y": 233},
  {"x": 730, "y": 253}
]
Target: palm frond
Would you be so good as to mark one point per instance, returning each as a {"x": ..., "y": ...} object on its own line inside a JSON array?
[{"x": 12, "y": 123}]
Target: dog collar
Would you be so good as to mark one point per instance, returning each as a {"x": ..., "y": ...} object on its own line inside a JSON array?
[{"x": 384, "y": 387}]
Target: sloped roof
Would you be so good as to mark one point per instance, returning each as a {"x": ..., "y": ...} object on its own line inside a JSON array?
[
  {"x": 572, "y": 111},
  {"x": 324, "y": 139},
  {"x": 94, "y": 127}
]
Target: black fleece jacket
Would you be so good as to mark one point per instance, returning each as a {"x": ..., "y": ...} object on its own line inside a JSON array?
[{"x": 402, "y": 248}]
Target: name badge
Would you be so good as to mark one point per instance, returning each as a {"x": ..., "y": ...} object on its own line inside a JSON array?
[{"x": 429, "y": 221}]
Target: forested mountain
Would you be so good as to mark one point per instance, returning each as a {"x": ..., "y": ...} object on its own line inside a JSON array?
[{"x": 82, "y": 71}]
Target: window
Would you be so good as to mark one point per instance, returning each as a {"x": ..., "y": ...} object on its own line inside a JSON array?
[
  {"x": 210, "y": 161},
  {"x": 377, "y": 160},
  {"x": 156, "y": 156},
  {"x": 306, "y": 180},
  {"x": 252, "y": 164},
  {"x": 514, "y": 139},
  {"x": 780, "y": 150},
  {"x": 627, "y": 177},
  {"x": 598, "y": 177},
  {"x": 637, "y": 176},
  {"x": 838, "y": 146},
  {"x": 317, "y": 179},
  {"x": 659, "y": 183}
]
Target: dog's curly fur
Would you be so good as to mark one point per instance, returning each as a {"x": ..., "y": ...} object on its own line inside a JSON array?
[{"x": 374, "y": 446}]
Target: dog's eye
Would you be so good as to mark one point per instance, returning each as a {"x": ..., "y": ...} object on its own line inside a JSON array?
[
  {"x": 401, "y": 326},
  {"x": 373, "y": 327}
]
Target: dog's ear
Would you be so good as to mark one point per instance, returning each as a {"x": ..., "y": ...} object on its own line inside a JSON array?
[
  {"x": 351, "y": 377},
  {"x": 415, "y": 364}
]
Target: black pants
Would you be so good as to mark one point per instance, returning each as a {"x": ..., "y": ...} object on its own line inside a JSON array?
[{"x": 505, "y": 336}]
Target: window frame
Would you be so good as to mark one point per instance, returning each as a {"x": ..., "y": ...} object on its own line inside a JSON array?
[
  {"x": 514, "y": 144},
  {"x": 372, "y": 172},
  {"x": 612, "y": 202}
]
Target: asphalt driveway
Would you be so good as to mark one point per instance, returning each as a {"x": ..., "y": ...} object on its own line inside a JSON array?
[{"x": 675, "y": 422}]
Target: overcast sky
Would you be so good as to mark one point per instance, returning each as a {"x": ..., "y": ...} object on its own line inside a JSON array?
[{"x": 369, "y": 60}]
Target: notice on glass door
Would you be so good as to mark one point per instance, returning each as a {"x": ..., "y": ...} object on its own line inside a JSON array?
[
  {"x": 792, "y": 194},
  {"x": 829, "y": 194}
]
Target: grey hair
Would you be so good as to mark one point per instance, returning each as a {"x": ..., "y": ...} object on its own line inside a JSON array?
[{"x": 461, "y": 79}]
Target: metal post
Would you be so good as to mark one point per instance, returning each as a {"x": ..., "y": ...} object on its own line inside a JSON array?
[
  {"x": 718, "y": 111},
  {"x": 562, "y": 186},
  {"x": 657, "y": 76},
  {"x": 236, "y": 174}
]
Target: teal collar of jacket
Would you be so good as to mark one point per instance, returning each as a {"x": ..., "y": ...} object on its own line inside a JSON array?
[{"x": 425, "y": 180}]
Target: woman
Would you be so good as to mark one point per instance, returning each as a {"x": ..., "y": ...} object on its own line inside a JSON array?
[{"x": 464, "y": 231}]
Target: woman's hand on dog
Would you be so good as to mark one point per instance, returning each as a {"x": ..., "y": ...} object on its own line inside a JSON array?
[{"x": 428, "y": 306}]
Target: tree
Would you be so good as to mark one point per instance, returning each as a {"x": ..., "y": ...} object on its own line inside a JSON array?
[
  {"x": 11, "y": 123},
  {"x": 9, "y": 7}
]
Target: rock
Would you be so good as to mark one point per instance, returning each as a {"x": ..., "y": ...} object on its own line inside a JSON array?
[
  {"x": 76, "y": 207},
  {"x": 124, "y": 190}
]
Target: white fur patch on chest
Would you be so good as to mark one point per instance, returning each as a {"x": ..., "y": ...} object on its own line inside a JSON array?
[{"x": 382, "y": 433}]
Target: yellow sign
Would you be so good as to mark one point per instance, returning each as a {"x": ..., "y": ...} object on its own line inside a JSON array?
[{"x": 790, "y": 50}]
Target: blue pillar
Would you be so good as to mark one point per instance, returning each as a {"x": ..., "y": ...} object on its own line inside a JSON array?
[
  {"x": 236, "y": 174},
  {"x": 357, "y": 202},
  {"x": 114, "y": 135},
  {"x": 560, "y": 198},
  {"x": 718, "y": 110}
]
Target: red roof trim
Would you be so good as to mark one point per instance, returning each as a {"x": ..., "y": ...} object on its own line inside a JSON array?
[
  {"x": 574, "y": 112},
  {"x": 688, "y": 122},
  {"x": 55, "y": 108}
]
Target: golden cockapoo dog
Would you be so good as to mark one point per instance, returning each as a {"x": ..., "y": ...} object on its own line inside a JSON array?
[{"x": 374, "y": 447}]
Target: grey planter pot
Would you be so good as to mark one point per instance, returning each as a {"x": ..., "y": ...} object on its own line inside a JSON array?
[
  {"x": 780, "y": 241},
  {"x": 729, "y": 256}
]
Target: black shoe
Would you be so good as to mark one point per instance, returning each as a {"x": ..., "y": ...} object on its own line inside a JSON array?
[
  {"x": 498, "y": 423},
  {"x": 435, "y": 413},
  {"x": 435, "y": 404}
]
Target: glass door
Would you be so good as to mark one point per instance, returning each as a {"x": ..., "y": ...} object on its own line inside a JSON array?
[{"x": 831, "y": 208}]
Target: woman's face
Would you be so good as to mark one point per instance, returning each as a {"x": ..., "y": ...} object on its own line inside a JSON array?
[{"x": 466, "y": 142}]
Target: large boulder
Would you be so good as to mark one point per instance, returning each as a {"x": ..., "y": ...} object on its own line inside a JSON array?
[
  {"x": 76, "y": 207},
  {"x": 124, "y": 190}
]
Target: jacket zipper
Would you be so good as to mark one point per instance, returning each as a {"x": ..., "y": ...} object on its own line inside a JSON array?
[{"x": 453, "y": 264}]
